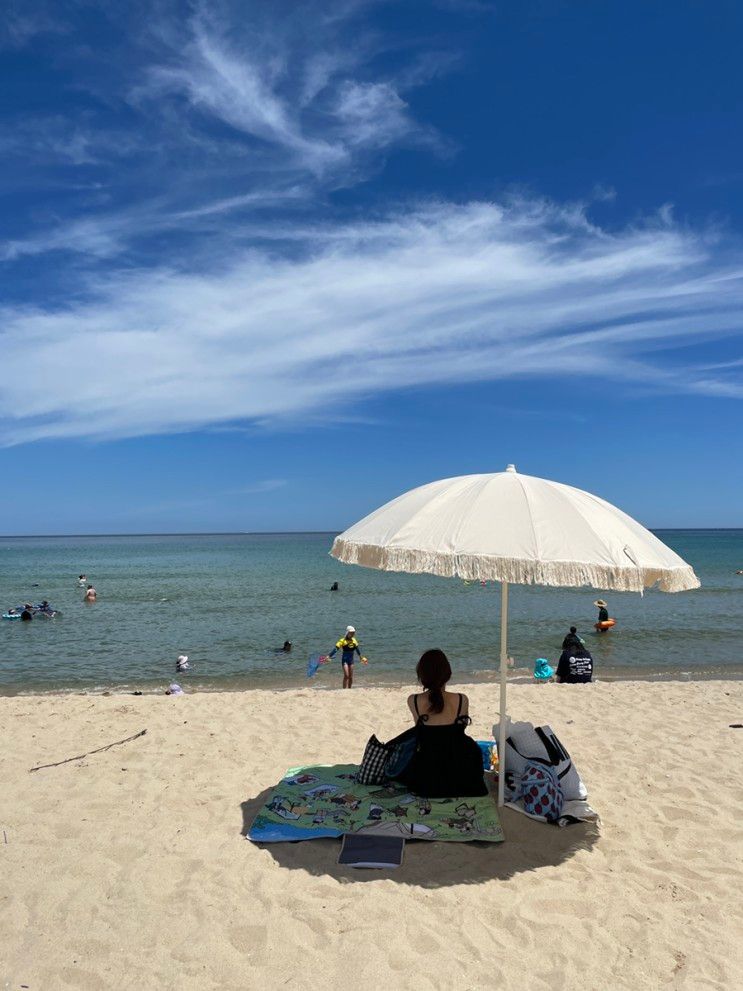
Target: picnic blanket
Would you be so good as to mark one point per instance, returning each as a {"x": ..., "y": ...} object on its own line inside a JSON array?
[{"x": 325, "y": 800}]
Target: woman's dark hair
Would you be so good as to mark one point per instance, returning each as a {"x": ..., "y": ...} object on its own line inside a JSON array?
[
  {"x": 433, "y": 672},
  {"x": 572, "y": 639}
]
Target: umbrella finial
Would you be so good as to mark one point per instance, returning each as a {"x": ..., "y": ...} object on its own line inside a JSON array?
[{"x": 511, "y": 468}]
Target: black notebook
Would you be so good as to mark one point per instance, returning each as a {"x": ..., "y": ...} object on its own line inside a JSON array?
[{"x": 367, "y": 850}]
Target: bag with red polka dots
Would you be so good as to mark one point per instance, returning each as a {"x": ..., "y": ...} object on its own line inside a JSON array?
[{"x": 541, "y": 792}]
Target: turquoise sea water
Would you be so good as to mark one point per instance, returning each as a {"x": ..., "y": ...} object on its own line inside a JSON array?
[{"x": 227, "y": 600}]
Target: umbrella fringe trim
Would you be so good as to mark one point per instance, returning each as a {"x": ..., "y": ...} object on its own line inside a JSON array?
[{"x": 472, "y": 567}]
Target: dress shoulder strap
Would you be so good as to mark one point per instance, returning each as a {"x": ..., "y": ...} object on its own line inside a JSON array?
[
  {"x": 415, "y": 703},
  {"x": 459, "y": 707}
]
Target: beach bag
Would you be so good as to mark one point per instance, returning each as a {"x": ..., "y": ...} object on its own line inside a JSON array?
[
  {"x": 382, "y": 761},
  {"x": 373, "y": 763},
  {"x": 401, "y": 751},
  {"x": 525, "y": 743},
  {"x": 541, "y": 793}
]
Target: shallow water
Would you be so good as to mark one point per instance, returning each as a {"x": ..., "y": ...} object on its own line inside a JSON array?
[{"x": 227, "y": 600}]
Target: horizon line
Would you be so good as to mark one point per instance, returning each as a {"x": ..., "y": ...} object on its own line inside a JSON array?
[
  {"x": 285, "y": 533},
  {"x": 171, "y": 533}
]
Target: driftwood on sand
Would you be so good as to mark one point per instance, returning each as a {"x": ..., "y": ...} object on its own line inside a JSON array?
[{"x": 100, "y": 750}]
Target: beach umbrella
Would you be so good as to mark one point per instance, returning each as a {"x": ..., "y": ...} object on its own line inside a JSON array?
[{"x": 513, "y": 529}]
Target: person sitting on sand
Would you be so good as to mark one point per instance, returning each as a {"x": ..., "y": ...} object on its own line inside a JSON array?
[
  {"x": 447, "y": 761},
  {"x": 575, "y": 665},
  {"x": 91, "y": 595}
]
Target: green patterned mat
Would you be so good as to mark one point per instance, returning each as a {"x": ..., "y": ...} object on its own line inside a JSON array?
[{"x": 325, "y": 800}]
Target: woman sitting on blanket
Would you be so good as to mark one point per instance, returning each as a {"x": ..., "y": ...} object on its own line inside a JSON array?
[{"x": 447, "y": 762}]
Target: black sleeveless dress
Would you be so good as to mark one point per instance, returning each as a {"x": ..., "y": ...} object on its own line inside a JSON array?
[{"x": 447, "y": 763}]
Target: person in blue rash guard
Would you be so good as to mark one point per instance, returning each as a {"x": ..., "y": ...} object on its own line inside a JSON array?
[{"x": 348, "y": 646}]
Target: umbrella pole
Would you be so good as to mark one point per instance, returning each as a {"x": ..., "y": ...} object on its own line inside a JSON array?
[{"x": 503, "y": 729}]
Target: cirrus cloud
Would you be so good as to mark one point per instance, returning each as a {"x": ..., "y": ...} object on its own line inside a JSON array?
[{"x": 441, "y": 294}]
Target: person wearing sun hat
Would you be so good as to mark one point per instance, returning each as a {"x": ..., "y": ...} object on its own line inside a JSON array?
[
  {"x": 348, "y": 645},
  {"x": 603, "y": 610}
]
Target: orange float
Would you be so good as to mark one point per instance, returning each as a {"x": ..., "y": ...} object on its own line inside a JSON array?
[{"x": 605, "y": 625}]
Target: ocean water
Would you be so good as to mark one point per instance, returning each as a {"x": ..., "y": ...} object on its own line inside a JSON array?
[{"x": 228, "y": 600}]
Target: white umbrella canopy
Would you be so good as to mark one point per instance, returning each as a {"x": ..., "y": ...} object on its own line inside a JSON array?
[
  {"x": 509, "y": 527},
  {"x": 513, "y": 528}
]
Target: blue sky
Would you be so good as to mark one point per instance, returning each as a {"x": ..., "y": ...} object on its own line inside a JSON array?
[{"x": 267, "y": 265}]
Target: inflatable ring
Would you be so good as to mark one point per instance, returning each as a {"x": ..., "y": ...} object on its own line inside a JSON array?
[
  {"x": 605, "y": 625},
  {"x": 11, "y": 615}
]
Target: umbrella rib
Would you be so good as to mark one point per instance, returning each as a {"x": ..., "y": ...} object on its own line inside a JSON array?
[{"x": 531, "y": 518}]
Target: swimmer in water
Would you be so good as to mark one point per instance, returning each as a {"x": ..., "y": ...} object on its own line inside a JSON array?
[
  {"x": 334, "y": 586},
  {"x": 286, "y": 649},
  {"x": 91, "y": 595},
  {"x": 182, "y": 663},
  {"x": 82, "y": 580}
]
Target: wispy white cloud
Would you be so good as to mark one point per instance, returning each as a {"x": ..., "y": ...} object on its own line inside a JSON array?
[
  {"x": 443, "y": 294},
  {"x": 309, "y": 101},
  {"x": 21, "y": 22},
  {"x": 219, "y": 110},
  {"x": 216, "y": 287},
  {"x": 64, "y": 142},
  {"x": 241, "y": 93}
]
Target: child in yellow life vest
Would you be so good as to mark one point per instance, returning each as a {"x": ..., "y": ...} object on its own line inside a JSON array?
[{"x": 348, "y": 646}]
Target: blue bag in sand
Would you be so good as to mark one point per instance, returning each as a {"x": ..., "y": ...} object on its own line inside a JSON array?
[
  {"x": 541, "y": 792},
  {"x": 488, "y": 750},
  {"x": 401, "y": 751}
]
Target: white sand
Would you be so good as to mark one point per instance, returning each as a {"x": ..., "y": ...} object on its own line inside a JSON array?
[{"x": 129, "y": 869}]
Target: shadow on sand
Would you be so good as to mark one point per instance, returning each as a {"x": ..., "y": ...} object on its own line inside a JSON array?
[{"x": 529, "y": 846}]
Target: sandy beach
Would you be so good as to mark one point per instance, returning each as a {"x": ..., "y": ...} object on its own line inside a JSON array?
[{"x": 129, "y": 868}]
